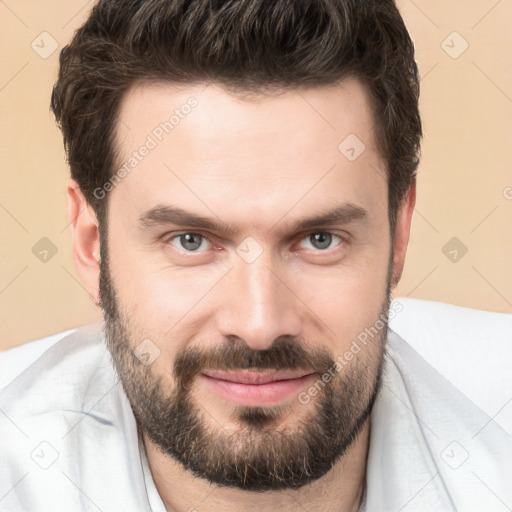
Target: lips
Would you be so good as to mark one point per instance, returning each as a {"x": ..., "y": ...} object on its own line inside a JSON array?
[
  {"x": 255, "y": 377},
  {"x": 257, "y": 388}
]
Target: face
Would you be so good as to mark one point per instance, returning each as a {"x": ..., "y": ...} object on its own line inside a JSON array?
[{"x": 245, "y": 255}]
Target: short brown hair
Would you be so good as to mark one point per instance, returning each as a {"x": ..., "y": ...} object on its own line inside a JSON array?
[{"x": 243, "y": 45}]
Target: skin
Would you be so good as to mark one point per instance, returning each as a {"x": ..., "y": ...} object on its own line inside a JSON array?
[{"x": 258, "y": 165}]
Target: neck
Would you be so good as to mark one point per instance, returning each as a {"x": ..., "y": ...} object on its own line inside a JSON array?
[{"x": 340, "y": 490}]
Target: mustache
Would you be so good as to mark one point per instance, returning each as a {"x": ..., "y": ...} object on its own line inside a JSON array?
[{"x": 285, "y": 353}]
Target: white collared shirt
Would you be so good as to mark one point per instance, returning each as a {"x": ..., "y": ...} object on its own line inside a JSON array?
[{"x": 69, "y": 440}]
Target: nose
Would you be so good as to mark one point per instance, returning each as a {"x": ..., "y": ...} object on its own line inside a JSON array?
[{"x": 258, "y": 305}]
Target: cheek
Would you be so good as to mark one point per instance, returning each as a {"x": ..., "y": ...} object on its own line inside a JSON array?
[
  {"x": 348, "y": 299},
  {"x": 159, "y": 302}
]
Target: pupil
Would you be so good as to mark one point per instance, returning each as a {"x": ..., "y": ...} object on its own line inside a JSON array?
[
  {"x": 321, "y": 240},
  {"x": 190, "y": 241}
]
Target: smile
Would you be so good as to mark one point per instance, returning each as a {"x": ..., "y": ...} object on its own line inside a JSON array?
[{"x": 256, "y": 388}]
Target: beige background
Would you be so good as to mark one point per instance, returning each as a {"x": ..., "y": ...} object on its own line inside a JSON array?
[{"x": 465, "y": 180}]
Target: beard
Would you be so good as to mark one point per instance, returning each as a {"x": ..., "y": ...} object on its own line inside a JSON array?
[{"x": 260, "y": 453}]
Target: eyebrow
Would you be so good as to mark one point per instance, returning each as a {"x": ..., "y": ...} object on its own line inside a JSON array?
[{"x": 162, "y": 215}]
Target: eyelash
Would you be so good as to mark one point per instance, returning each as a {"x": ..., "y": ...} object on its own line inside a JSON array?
[{"x": 343, "y": 241}]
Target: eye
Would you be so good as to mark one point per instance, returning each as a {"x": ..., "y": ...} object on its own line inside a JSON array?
[
  {"x": 320, "y": 241},
  {"x": 190, "y": 242}
]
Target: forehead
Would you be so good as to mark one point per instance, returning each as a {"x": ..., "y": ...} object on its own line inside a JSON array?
[
  {"x": 297, "y": 117},
  {"x": 202, "y": 146}
]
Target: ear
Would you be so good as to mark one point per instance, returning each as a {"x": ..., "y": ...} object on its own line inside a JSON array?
[
  {"x": 402, "y": 231},
  {"x": 85, "y": 239}
]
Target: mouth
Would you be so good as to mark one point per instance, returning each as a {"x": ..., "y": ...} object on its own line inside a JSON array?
[{"x": 249, "y": 387}]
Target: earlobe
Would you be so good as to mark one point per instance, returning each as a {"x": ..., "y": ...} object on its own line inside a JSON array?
[
  {"x": 85, "y": 239},
  {"x": 402, "y": 232}
]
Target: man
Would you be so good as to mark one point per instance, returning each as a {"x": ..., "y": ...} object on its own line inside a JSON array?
[{"x": 243, "y": 182}]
